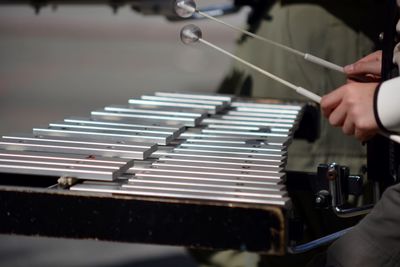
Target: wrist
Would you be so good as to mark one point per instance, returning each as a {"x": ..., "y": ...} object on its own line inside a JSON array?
[{"x": 375, "y": 107}]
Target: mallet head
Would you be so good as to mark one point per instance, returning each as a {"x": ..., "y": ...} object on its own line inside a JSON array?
[
  {"x": 185, "y": 8},
  {"x": 190, "y": 34}
]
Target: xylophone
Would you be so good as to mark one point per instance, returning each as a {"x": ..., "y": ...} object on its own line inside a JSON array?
[{"x": 170, "y": 168}]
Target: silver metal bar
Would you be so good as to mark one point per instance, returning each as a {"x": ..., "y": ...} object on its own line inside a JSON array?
[
  {"x": 194, "y": 188},
  {"x": 220, "y": 169},
  {"x": 290, "y": 118},
  {"x": 284, "y": 202},
  {"x": 169, "y": 120},
  {"x": 93, "y": 147},
  {"x": 175, "y": 99},
  {"x": 236, "y": 146},
  {"x": 236, "y": 162},
  {"x": 169, "y": 108},
  {"x": 148, "y": 125},
  {"x": 205, "y": 178},
  {"x": 281, "y": 122},
  {"x": 271, "y": 140},
  {"x": 210, "y": 108},
  {"x": 82, "y": 141},
  {"x": 59, "y": 170},
  {"x": 182, "y": 181},
  {"x": 243, "y": 133},
  {"x": 57, "y": 162},
  {"x": 267, "y": 160},
  {"x": 234, "y": 173},
  {"x": 266, "y": 110},
  {"x": 226, "y": 98},
  {"x": 77, "y": 158},
  {"x": 252, "y": 104},
  {"x": 247, "y": 128},
  {"x": 198, "y": 136},
  {"x": 217, "y": 167},
  {"x": 171, "y": 182},
  {"x": 243, "y": 121},
  {"x": 159, "y": 111},
  {"x": 58, "y": 146},
  {"x": 227, "y": 126},
  {"x": 234, "y": 141},
  {"x": 111, "y": 135},
  {"x": 253, "y": 153},
  {"x": 132, "y": 130},
  {"x": 114, "y": 118}
]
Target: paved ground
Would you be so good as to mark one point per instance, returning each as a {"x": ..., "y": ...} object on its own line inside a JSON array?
[{"x": 75, "y": 60}]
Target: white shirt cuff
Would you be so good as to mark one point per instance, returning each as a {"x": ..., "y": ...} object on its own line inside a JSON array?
[{"x": 388, "y": 105}]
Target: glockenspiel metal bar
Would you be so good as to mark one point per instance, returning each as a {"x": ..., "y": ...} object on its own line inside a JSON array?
[
  {"x": 216, "y": 167},
  {"x": 278, "y": 189},
  {"x": 160, "y": 139},
  {"x": 220, "y": 162},
  {"x": 82, "y": 141},
  {"x": 290, "y": 118},
  {"x": 265, "y": 105},
  {"x": 77, "y": 158},
  {"x": 169, "y": 108},
  {"x": 276, "y": 161},
  {"x": 204, "y": 176},
  {"x": 58, "y": 162},
  {"x": 241, "y": 121},
  {"x": 271, "y": 140},
  {"x": 78, "y": 146},
  {"x": 133, "y": 130},
  {"x": 244, "y": 133},
  {"x": 175, "y": 99},
  {"x": 218, "y": 97},
  {"x": 211, "y": 109},
  {"x": 194, "y": 188},
  {"x": 280, "y": 122},
  {"x": 169, "y": 120},
  {"x": 141, "y": 124},
  {"x": 101, "y": 188},
  {"x": 60, "y": 170},
  {"x": 244, "y": 146},
  {"x": 148, "y": 126},
  {"x": 68, "y": 148},
  {"x": 243, "y": 128},
  {"x": 268, "y": 110},
  {"x": 189, "y": 170},
  {"x": 178, "y": 112},
  {"x": 171, "y": 182},
  {"x": 248, "y": 152},
  {"x": 234, "y": 141},
  {"x": 114, "y": 118},
  {"x": 247, "y": 128}
]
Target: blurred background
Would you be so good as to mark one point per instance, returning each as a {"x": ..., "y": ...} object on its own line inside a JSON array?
[{"x": 75, "y": 59}]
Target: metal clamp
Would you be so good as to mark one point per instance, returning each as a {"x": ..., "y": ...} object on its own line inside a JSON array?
[{"x": 334, "y": 185}]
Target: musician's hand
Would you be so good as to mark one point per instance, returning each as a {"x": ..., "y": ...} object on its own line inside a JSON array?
[
  {"x": 367, "y": 69},
  {"x": 351, "y": 108}
]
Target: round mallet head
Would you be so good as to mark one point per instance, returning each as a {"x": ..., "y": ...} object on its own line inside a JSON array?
[
  {"x": 190, "y": 34},
  {"x": 185, "y": 8}
]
